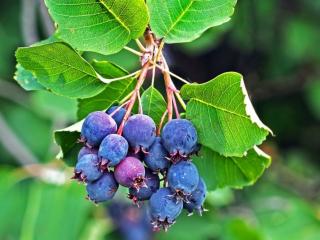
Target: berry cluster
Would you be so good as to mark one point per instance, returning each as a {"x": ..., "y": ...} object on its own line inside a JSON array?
[{"x": 136, "y": 159}]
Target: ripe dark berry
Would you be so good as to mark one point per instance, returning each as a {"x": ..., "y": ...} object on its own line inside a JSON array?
[
  {"x": 118, "y": 116},
  {"x": 102, "y": 189},
  {"x": 112, "y": 150},
  {"x": 179, "y": 137},
  {"x": 183, "y": 178},
  {"x": 197, "y": 198},
  {"x": 130, "y": 172},
  {"x": 164, "y": 209},
  {"x": 140, "y": 131},
  {"x": 96, "y": 127},
  {"x": 85, "y": 150},
  {"x": 87, "y": 169},
  {"x": 152, "y": 185},
  {"x": 156, "y": 158}
]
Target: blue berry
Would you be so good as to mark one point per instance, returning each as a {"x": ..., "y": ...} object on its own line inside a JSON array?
[
  {"x": 140, "y": 131},
  {"x": 179, "y": 137},
  {"x": 102, "y": 189},
  {"x": 156, "y": 158},
  {"x": 130, "y": 172},
  {"x": 183, "y": 178},
  {"x": 112, "y": 150},
  {"x": 87, "y": 169},
  {"x": 197, "y": 198},
  {"x": 164, "y": 209},
  {"x": 152, "y": 185},
  {"x": 118, "y": 116},
  {"x": 96, "y": 127},
  {"x": 85, "y": 150}
]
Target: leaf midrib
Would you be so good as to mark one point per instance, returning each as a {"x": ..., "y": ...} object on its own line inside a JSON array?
[
  {"x": 221, "y": 109},
  {"x": 63, "y": 63},
  {"x": 116, "y": 17},
  {"x": 179, "y": 18}
]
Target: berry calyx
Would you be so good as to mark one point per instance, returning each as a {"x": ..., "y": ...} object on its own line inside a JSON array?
[
  {"x": 87, "y": 169},
  {"x": 164, "y": 209},
  {"x": 183, "y": 179},
  {"x": 152, "y": 182},
  {"x": 112, "y": 150},
  {"x": 179, "y": 137},
  {"x": 196, "y": 199},
  {"x": 130, "y": 172}
]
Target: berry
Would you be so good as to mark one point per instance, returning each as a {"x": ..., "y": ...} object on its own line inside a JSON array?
[
  {"x": 179, "y": 137},
  {"x": 197, "y": 198},
  {"x": 156, "y": 158},
  {"x": 164, "y": 209},
  {"x": 96, "y": 127},
  {"x": 130, "y": 172},
  {"x": 102, "y": 189},
  {"x": 140, "y": 131},
  {"x": 87, "y": 169},
  {"x": 152, "y": 185},
  {"x": 183, "y": 178},
  {"x": 85, "y": 150},
  {"x": 118, "y": 116},
  {"x": 113, "y": 149}
]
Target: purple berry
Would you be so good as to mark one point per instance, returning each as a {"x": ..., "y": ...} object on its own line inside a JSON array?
[
  {"x": 164, "y": 208},
  {"x": 130, "y": 172},
  {"x": 87, "y": 169},
  {"x": 183, "y": 178},
  {"x": 85, "y": 150},
  {"x": 156, "y": 158},
  {"x": 140, "y": 132},
  {"x": 102, "y": 189},
  {"x": 119, "y": 115},
  {"x": 179, "y": 137},
  {"x": 96, "y": 127},
  {"x": 113, "y": 149},
  {"x": 197, "y": 198},
  {"x": 152, "y": 185}
]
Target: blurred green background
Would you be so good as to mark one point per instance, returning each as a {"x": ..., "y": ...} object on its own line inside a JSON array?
[{"x": 273, "y": 43}]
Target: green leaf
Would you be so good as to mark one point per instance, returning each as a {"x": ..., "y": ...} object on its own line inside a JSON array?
[
  {"x": 223, "y": 115},
  {"x": 153, "y": 104},
  {"x": 67, "y": 139},
  {"x": 26, "y": 79},
  {"x": 219, "y": 171},
  {"x": 185, "y": 20},
  {"x": 61, "y": 69},
  {"x": 99, "y": 26},
  {"x": 113, "y": 92}
]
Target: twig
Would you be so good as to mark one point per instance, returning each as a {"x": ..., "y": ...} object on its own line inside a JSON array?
[
  {"x": 172, "y": 74},
  {"x": 140, "y": 104},
  {"x": 118, "y": 108},
  {"x": 182, "y": 103},
  {"x": 161, "y": 122},
  {"x": 109, "y": 80},
  {"x": 133, "y": 97},
  {"x": 133, "y": 51},
  {"x": 140, "y": 45},
  {"x": 175, "y": 107}
]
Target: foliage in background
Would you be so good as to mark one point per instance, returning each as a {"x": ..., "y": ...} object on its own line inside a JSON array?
[{"x": 280, "y": 62}]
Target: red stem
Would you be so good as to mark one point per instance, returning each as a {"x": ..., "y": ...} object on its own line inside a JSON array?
[
  {"x": 167, "y": 81},
  {"x": 134, "y": 95}
]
